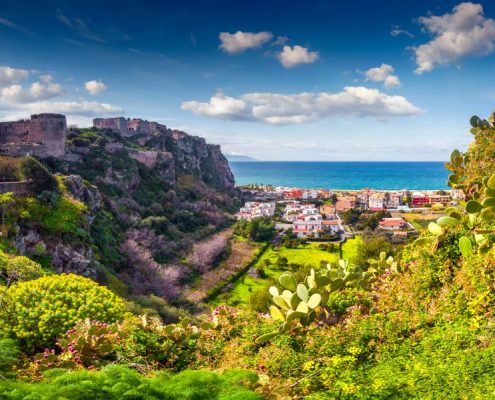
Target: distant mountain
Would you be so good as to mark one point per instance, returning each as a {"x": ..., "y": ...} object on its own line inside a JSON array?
[{"x": 233, "y": 157}]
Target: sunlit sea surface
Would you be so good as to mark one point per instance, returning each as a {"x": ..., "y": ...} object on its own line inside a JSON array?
[{"x": 343, "y": 175}]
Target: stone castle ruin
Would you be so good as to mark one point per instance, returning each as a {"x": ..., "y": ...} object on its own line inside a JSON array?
[
  {"x": 43, "y": 136},
  {"x": 127, "y": 127}
]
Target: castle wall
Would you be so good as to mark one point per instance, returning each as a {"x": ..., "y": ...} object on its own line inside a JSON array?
[
  {"x": 17, "y": 188},
  {"x": 118, "y": 124},
  {"x": 128, "y": 127},
  {"x": 14, "y": 131},
  {"x": 42, "y": 136},
  {"x": 138, "y": 126},
  {"x": 50, "y": 130}
]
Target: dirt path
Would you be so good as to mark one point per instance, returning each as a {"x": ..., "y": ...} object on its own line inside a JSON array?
[{"x": 242, "y": 252}]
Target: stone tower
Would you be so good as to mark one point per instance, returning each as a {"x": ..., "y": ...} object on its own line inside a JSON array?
[{"x": 43, "y": 136}]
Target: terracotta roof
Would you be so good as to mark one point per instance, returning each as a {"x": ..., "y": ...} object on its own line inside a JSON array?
[
  {"x": 333, "y": 222},
  {"x": 392, "y": 222}
]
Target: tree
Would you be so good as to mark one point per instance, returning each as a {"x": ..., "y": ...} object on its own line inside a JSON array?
[
  {"x": 371, "y": 247},
  {"x": 386, "y": 197},
  {"x": 407, "y": 197},
  {"x": 258, "y": 229},
  {"x": 6, "y": 202},
  {"x": 333, "y": 198}
]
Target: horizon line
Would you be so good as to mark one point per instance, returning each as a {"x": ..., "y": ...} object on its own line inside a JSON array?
[{"x": 337, "y": 161}]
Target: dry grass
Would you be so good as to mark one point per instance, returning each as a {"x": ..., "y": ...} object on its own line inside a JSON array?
[{"x": 241, "y": 253}]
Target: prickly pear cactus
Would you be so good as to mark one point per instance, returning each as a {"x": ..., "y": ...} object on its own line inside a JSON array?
[
  {"x": 304, "y": 302},
  {"x": 477, "y": 215}
]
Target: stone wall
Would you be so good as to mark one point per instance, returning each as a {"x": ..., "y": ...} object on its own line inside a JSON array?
[
  {"x": 43, "y": 136},
  {"x": 118, "y": 124},
  {"x": 18, "y": 188},
  {"x": 128, "y": 127}
]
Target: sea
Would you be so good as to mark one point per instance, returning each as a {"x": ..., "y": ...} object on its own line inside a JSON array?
[{"x": 343, "y": 175}]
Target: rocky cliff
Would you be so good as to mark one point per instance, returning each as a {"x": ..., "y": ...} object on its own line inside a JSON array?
[{"x": 141, "y": 201}]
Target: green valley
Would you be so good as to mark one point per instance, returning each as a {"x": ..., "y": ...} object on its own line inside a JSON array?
[{"x": 142, "y": 285}]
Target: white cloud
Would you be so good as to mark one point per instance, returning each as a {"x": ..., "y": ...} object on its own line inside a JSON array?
[
  {"x": 80, "y": 27},
  {"x": 220, "y": 106},
  {"x": 37, "y": 91},
  {"x": 94, "y": 88},
  {"x": 19, "y": 100},
  {"x": 241, "y": 41},
  {"x": 71, "y": 107},
  {"x": 463, "y": 32},
  {"x": 12, "y": 25},
  {"x": 280, "y": 41},
  {"x": 384, "y": 73},
  {"x": 293, "y": 56},
  {"x": 280, "y": 109},
  {"x": 9, "y": 75},
  {"x": 397, "y": 31}
]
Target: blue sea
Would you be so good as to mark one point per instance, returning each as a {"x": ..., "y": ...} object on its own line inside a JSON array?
[{"x": 343, "y": 175}]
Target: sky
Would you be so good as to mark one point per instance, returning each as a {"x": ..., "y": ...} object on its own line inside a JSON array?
[{"x": 274, "y": 80}]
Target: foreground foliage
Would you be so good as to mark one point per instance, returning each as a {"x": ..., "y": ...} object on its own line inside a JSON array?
[
  {"x": 38, "y": 311},
  {"x": 116, "y": 382}
]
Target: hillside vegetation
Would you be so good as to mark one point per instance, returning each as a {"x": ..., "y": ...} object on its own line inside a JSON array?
[{"x": 419, "y": 324}]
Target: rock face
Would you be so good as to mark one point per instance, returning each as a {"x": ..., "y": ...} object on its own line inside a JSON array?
[
  {"x": 78, "y": 259},
  {"x": 85, "y": 193},
  {"x": 176, "y": 151},
  {"x": 161, "y": 161},
  {"x": 68, "y": 256},
  {"x": 149, "y": 193}
]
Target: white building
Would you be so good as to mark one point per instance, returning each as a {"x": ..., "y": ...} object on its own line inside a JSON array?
[
  {"x": 375, "y": 202},
  {"x": 254, "y": 209}
]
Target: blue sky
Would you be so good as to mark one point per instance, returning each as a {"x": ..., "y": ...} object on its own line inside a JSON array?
[{"x": 277, "y": 80}]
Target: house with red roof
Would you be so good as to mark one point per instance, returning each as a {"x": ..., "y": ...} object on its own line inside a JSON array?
[{"x": 393, "y": 224}]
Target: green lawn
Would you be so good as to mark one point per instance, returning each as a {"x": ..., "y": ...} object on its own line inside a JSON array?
[{"x": 309, "y": 254}]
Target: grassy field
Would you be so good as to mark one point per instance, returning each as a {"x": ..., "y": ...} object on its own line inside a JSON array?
[
  {"x": 419, "y": 220},
  {"x": 310, "y": 254}
]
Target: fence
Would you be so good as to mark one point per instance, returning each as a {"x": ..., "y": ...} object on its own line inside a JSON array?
[{"x": 18, "y": 188}]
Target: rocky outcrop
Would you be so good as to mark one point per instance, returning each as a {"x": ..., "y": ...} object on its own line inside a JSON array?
[
  {"x": 68, "y": 258},
  {"x": 150, "y": 193},
  {"x": 86, "y": 193},
  {"x": 173, "y": 152},
  {"x": 161, "y": 161}
]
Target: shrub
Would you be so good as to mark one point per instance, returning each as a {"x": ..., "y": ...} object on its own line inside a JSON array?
[
  {"x": 117, "y": 382},
  {"x": 89, "y": 344},
  {"x": 8, "y": 353},
  {"x": 66, "y": 216},
  {"x": 18, "y": 268},
  {"x": 258, "y": 229},
  {"x": 33, "y": 170},
  {"x": 260, "y": 300},
  {"x": 38, "y": 311},
  {"x": 9, "y": 169}
]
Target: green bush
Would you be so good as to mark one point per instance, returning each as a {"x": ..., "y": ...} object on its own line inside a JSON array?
[
  {"x": 10, "y": 169},
  {"x": 116, "y": 382},
  {"x": 8, "y": 353},
  {"x": 33, "y": 170},
  {"x": 36, "y": 312},
  {"x": 66, "y": 216},
  {"x": 258, "y": 229}
]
